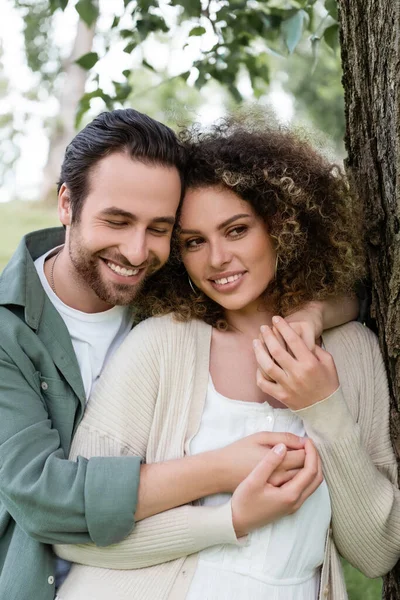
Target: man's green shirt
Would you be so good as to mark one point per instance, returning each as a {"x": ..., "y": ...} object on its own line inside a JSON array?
[{"x": 45, "y": 498}]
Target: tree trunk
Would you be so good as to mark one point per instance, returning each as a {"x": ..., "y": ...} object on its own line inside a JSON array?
[
  {"x": 64, "y": 126},
  {"x": 370, "y": 46}
]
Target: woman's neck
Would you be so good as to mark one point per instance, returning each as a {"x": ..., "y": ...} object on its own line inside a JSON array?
[{"x": 248, "y": 321}]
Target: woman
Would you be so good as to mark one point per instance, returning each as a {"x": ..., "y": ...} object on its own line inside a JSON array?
[{"x": 266, "y": 226}]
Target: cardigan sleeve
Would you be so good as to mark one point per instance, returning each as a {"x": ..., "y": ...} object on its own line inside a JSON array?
[
  {"x": 358, "y": 460},
  {"x": 118, "y": 422}
]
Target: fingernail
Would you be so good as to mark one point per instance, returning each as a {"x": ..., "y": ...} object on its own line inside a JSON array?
[
  {"x": 275, "y": 319},
  {"x": 255, "y": 343},
  {"x": 279, "y": 449},
  {"x": 264, "y": 328}
]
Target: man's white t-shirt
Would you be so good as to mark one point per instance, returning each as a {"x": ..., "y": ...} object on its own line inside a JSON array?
[{"x": 94, "y": 336}]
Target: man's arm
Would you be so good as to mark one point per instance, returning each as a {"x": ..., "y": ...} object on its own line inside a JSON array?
[
  {"x": 314, "y": 317},
  {"x": 172, "y": 483},
  {"x": 51, "y": 498}
]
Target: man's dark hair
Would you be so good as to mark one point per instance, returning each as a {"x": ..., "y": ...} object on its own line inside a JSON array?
[{"x": 126, "y": 130}]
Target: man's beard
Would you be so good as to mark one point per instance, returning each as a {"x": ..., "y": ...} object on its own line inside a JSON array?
[{"x": 87, "y": 266}]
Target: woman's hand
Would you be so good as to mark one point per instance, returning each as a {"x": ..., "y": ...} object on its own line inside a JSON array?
[
  {"x": 307, "y": 323},
  {"x": 257, "y": 502},
  {"x": 297, "y": 377},
  {"x": 238, "y": 459}
]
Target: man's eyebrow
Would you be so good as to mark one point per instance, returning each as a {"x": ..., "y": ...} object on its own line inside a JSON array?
[
  {"x": 220, "y": 226},
  {"x": 114, "y": 211},
  {"x": 167, "y": 220}
]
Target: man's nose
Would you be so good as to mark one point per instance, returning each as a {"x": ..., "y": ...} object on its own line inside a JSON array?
[{"x": 135, "y": 248}]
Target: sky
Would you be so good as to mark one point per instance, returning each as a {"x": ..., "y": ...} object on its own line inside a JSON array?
[{"x": 24, "y": 181}]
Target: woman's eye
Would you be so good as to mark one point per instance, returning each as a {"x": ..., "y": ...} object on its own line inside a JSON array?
[
  {"x": 237, "y": 231},
  {"x": 193, "y": 243}
]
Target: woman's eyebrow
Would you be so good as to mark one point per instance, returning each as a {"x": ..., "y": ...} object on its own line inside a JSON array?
[{"x": 221, "y": 226}]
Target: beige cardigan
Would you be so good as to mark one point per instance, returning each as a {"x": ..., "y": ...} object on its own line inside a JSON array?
[{"x": 149, "y": 402}]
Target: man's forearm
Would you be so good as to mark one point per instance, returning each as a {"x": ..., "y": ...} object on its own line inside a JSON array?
[
  {"x": 337, "y": 311},
  {"x": 172, "y": 483}
]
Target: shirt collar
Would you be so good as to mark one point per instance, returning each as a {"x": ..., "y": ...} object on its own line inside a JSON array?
[{"x": 19, "y": 282}]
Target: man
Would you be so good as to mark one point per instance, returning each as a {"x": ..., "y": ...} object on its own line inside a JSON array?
[{"x": 65, "y": 305}]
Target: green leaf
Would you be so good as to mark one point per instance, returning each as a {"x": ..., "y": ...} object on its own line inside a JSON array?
[
  {"x": 122, "y": 91},
  {"x": 292, "y": 29},
  {"x": 237, "y": 96},
  {"x": 130, "y": 47},
  {"x": 125, "y": 33},
  {"x": 191, "y": 8},
  {"x": 315, "y": 45},
  {"x": 148, "y": 65},
  {"x": 84, "y": 104},
  {"x": 115, "y": 22},
  {"x": 332, "y": 8},
  {"x": 331, "y": 36},
  {"x": 88, "y": 11},
  {"x": 87, "y": 61},
  {"x": 197, "y": 31},
  {"x": 54, "y": 4},
  {"x": 126, "y": 73}
]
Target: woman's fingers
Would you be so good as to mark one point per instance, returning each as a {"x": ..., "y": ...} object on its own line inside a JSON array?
[
  {"x": 293, "y": 341},
  {"x": 279, "y": 477},
  {"x": 271, "y": 439},
  {"x": 294, "y": 459},
  {"x": 278, "y": 354},
  {"x": 307, "y": 480},
  {"x": 267, "y": 366},
  {"x": 264, "y": 469}
]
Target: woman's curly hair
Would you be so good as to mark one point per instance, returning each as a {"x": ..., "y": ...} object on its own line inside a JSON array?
[{"x": 312, "y": 217}]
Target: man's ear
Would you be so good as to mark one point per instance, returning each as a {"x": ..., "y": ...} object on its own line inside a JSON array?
[{"x": 64, "y": 205}]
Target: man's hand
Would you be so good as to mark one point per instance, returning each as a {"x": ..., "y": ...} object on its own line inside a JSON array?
[
  {"x": 296, "y": 377},
  {"x": 257, "y": 502},
  {"x": 239, "y": 458}
]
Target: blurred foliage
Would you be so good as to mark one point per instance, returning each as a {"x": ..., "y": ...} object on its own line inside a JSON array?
[
  {"x": 317, "y": 91},
  {"x": 9, "y": 130},
  {"x": 239, "y": 36},
  {"x": 251, "y": 41},
  {"x": 42, "y": 54}
]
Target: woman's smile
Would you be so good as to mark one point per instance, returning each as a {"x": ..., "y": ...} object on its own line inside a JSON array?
[{"x": 225, "y": 247}]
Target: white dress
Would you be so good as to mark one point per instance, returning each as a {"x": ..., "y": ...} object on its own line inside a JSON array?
[{"x": 280, "y": 561}]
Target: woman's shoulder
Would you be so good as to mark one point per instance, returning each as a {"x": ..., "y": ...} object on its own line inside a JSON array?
[
  {"x": 159, "y": 330},
  {"x": 350, "y": 338}
]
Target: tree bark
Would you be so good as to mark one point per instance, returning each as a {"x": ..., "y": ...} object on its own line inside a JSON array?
[
  {"x": 64, "y": 127},
  {"x": 370, "y": 46}
]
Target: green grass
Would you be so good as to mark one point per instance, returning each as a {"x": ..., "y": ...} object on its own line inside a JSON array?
[{"x": 18, "y": 218}]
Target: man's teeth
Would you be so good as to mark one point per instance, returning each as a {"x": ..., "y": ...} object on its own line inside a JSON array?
[
  {"x": 122, "y": 270},
  {"x": 228, "y": 279}
]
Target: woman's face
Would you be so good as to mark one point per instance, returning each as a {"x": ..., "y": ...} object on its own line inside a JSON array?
[{"x": 225, "y": 247}]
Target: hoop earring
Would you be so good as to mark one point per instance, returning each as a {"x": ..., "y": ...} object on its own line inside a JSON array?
[
  {"x": 276, "y": 266},
  {"x": 192, "y": 286}
]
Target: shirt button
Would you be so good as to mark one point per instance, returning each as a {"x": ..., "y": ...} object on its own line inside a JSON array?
[
  {"x": 44, "y": 385},
  {"x": 50, "y": 580},
  {"x": 326, "y": 591}
]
